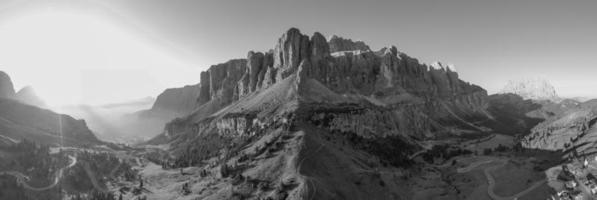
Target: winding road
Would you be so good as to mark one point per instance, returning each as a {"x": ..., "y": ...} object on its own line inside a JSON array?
[
  {"x": 22, "y": 178},
  {"x": 491, "y": 179}
]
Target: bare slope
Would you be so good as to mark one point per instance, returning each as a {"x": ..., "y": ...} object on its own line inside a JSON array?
[{"x": 20, "y": 121}]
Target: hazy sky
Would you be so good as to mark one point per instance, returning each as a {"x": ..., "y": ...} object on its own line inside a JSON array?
[{"x": 110, "y": 50}]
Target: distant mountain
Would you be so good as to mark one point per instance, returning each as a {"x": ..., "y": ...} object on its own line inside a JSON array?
[
  {"x": 25, "y": 95},
  {"x": 174, "y": 102},
  {"x": 28, "y": 96},
  {"x": 20, "y": 121},
  {"x": 535, "y": 89}
]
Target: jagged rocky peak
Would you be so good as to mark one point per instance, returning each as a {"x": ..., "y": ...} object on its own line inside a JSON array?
[
  {"x": 6, "y": 87},
  {"x": 28, "y": 95},
  {"x": 341, "y": 44},
  {"x": 532, "y": 88}
]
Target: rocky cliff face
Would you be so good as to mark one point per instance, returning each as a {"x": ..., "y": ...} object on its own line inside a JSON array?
[{"x": 536, "y": 89}]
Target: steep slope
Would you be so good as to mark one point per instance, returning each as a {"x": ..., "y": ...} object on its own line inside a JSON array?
[
  {"x": 569, "y": 125},
  {"x": 535, "y": 89},
  {"x": 20, "y": 121},
  {"x": 303, "y": 122}
]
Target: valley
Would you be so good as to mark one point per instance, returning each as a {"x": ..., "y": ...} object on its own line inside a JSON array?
[{"x": 311, "y": 118}]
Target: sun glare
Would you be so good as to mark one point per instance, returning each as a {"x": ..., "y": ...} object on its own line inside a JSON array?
[{"x": 53, "y": 50}]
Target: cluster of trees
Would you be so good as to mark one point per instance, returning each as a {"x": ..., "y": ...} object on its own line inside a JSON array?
[
  {"x": 499, "y": 148},
  {"x": 443, "y": 152},
  {"x": 76, "y": 179},
  {"x": 392, "y": 151},
  {"x": 202, "y": 148},
  {"x": 10, "y": 190}
]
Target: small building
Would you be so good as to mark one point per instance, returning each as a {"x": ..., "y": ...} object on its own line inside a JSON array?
[{"x": 570, "y": 184}]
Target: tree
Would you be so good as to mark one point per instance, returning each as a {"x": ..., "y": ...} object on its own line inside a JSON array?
[{"x": 487, "y": 151}]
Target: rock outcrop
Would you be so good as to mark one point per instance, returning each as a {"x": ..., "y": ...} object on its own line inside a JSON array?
[{"x": 337, "y": 43}]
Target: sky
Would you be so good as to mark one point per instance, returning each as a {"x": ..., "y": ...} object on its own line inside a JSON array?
[{"x": 103, "y": 51}]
